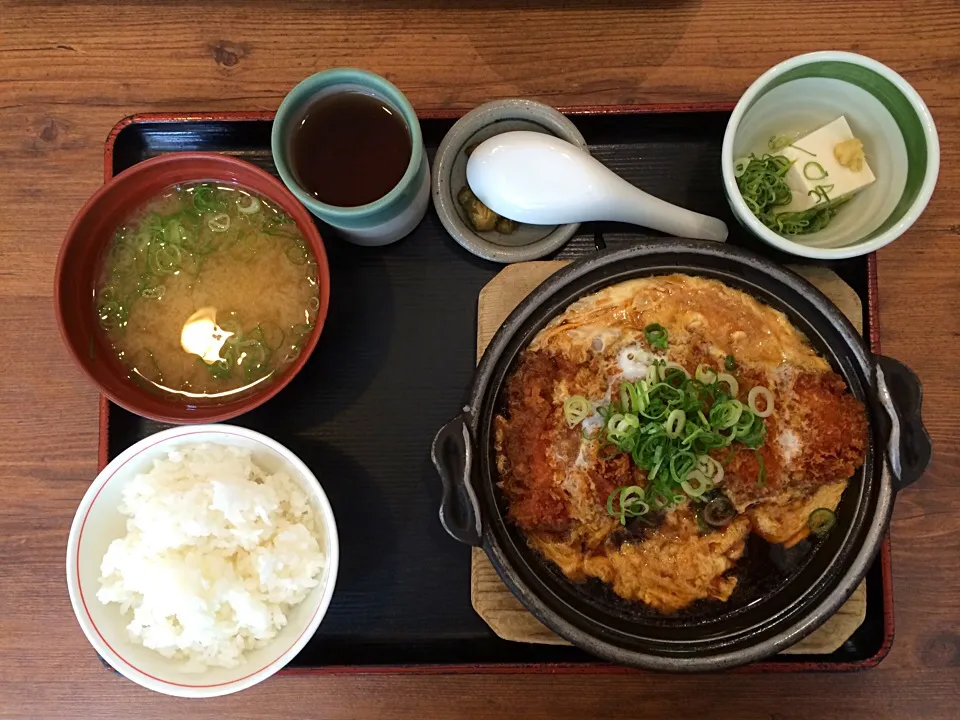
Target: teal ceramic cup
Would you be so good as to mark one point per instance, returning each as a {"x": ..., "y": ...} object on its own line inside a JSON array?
[{"x": 386, "y": 219}]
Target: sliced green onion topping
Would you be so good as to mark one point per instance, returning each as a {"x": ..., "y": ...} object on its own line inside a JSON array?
[
  {"x": 656, "y": 335},
  {"x": 730, "y": 363},
  {"x": 750, "y": 430},
  {"x": 682, "y": 465},
  {"x": 669, "y": 423},
  {"x": 290, "y": 353},
  {"x": 779, "y": 142},
  {"x": 765, "y": 192},
  {"x": 726, "y": 414},
  {"x": 821, "y": 521},
  {"x": 231, "y": 324},
  {"x": 711, "y": 469},
  {"x": 760, "y": 392},
  {"x": 814, "y": 171},
  {"x": 630, "y": 398},
  {"x": 821, "y": 193},
  {"x": 297, "y": 254},
  {"x": 165, "y": 259},
  {"x": 731, "y": 382},
  {"x": 623, "y": 426},
  {"x": 627, "y": 502},
  {"x": 248, "y": 204},
  {"x": 705, "y": 375},
  {"x": 696, "y": 486},
  {"x": 174, "y": 232},
  {"x": 112, "y": 314},
  {"x": 671, "y": 366},
  {"x": 270, "y": 334},
  {"x": 762, "y": 475},
  {"x": 252, "y": 356},
  {"x": 219, "y": 223},
  {"x": 576, "y": 409},
  {"x": 674, "y": 423}
]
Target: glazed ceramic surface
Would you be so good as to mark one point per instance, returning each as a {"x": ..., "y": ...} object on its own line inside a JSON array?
[
  {"x": 529, "y": 241},
  {"x": 534, "y": 178},
  {"x": 94, "y": 227},
  {"x": 884, "y": 111},
  {"x": 386, "y": 219}
]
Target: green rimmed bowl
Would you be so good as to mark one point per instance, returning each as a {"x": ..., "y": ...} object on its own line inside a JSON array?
[{"x": 900, "y": 140}]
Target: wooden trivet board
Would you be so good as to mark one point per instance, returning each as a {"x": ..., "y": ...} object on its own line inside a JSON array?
[{"x": 492, "y": 600}]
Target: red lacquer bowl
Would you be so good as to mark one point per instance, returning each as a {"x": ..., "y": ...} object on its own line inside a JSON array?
[{"x": 93, "y": 228}]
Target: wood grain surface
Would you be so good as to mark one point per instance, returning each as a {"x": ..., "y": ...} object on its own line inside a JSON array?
[{"x": 69, "y": 71}]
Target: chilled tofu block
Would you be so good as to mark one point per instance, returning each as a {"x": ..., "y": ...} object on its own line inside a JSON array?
[{"x": 816, "y": 165}]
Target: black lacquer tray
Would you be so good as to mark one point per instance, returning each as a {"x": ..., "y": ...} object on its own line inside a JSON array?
[{"x": 393, "y": 363}]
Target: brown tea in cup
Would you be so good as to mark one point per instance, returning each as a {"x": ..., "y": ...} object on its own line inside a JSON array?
[{"x": 350, "y": 149}]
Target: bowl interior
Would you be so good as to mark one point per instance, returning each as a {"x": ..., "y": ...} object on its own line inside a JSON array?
[
  {"x": 99, "y": 522},
  {"x": 86, "y": 241},
  {"x": 528, "y": 242},
  {"x": 882, "y": 111},
  {"x": 800, "y": 106}
]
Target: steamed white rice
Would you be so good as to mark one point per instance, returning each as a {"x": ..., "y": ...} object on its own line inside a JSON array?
[{"x": 216, "y": 553}]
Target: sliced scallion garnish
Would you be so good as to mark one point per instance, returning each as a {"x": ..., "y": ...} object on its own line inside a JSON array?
[
  {"x": 248, "y": 204},
  {"x": 731, "y": 383},
  {"x": 765, "y": 192},
  {"x": 656, "y": 335},
  {"x": 670, "y": 426},
  {"x": 576, "y": 409},
  {"x": 705, "y": 374},
  {"x": 758, "y": 392},
  {"x": 627, "y": 502},
  {"x": 219, "y": 223},
  {"x": 821, "y": 521},
  {"x": 821, "y": 193},
  {"x": 297, "y": 254},
  {"x": 814, "y": 171},
  {"x": 165, "y": 259}
]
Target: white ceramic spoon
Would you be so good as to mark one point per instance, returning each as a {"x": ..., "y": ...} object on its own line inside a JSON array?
[{"x": 540, "y": 179}]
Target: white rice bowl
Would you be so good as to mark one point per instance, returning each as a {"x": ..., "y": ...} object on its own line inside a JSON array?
[{"x": 202, "y": 559}]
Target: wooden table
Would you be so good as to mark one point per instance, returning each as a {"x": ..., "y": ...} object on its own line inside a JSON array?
[{"x": 69, "y": 71}]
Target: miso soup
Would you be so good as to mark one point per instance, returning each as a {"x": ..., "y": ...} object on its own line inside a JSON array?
[{"x": 206, "y": 292}]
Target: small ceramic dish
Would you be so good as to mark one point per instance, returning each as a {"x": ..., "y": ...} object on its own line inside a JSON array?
[
  {"x": 528, "y": 242},
  {"x": 99, "y": 522},
  {"x": 900, "y": 142},
  {"x": 86, "y": 241}
]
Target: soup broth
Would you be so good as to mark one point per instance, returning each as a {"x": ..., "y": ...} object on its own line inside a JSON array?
[{"x": 206, "y": 292}]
